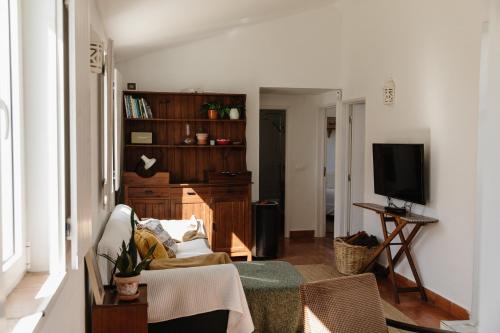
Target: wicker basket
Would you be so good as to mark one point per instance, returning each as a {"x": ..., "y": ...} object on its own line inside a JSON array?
[{"x": 351, "y": 259}]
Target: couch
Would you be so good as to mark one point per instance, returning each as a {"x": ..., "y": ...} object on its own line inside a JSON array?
[{"x": 202, "y": 293}]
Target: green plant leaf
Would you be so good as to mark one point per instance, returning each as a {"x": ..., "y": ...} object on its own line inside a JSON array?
[
  {"x": 132, "y": 249},
  {"x": 104, "y": 255},
  {"x": 150, "y": 251}
]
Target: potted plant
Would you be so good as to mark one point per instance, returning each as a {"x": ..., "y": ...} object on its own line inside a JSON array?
[
  {"x": 202, "y": 136},
  {"x": 212, "y": 110},
  {"x": 129, "y": 271},
  {"x": 224, "y": 112}
]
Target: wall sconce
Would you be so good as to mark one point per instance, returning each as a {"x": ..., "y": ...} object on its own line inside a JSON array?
[
  {"x": 389, "y": 92},
  {"x": 96, "y": 57}
]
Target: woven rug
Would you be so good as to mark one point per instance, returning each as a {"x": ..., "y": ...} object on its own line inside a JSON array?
[{"x": 313, "y": 273}]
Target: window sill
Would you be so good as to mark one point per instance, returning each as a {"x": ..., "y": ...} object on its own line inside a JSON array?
[
  {"x": 27, "y": 303},
  {"x": 11, "y": 261}
]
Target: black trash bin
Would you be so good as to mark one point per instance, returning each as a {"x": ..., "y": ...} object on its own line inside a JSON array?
[{"x": 266, "y": 221}]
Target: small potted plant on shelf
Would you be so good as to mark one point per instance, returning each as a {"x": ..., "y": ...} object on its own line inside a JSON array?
[
  {"x": 202, "y": 136},
  {"x": 211, "y": 109},
  {"x": 129, "y": 271},
  {"x": 224, "y": 112}
]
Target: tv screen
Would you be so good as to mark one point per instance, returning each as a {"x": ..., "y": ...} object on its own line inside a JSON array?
[{"x": 398, "y": 171}]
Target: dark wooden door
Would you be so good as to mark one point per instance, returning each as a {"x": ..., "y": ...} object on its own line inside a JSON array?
[
  {"x": 272, "y": 158},
  {"x": 230, "y": 221}
]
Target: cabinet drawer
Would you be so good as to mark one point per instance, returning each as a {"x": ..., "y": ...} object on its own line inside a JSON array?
[
  {"x": 148, "y": 192},
  {"x": 230, "y": 191},
  {"x": 189, "y": 194}
]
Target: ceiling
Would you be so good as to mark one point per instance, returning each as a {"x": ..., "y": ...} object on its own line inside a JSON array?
[{"x": 142, "y": 26}]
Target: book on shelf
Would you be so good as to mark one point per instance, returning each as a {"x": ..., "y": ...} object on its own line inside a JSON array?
[{"x": 137, "y": 108}]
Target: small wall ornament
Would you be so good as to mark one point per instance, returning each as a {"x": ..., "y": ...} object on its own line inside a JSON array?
[
  {"x": 389, "y": 92},
  {"x": 96, "y": 57}
]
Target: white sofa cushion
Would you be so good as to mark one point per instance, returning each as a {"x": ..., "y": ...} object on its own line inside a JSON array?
[
  {"x": 117, "y": 229},
  {"x": 177, "y": 228},
  {"x": 192, "y": 248}
]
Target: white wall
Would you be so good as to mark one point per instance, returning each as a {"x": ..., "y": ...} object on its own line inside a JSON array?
[
  {"x": 297, "y": 51},
  {"x": 302, "y": 163},
  {"x": 100, "y": 211},
  {"x": 431, "y": 49},
  {"x": 488, "y": 164}
]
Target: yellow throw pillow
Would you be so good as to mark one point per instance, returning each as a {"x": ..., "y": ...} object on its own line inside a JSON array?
[{"x": 144, "y": 240}]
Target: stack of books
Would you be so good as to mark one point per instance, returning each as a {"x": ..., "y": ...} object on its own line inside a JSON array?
[{"x": 137, "y": 108}]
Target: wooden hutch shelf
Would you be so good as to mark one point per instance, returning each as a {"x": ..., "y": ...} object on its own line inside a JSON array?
[{"x": 223, "y": 206}]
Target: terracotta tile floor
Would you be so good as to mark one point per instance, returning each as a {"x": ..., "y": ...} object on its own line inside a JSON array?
[{"x": 320, "y": 251}]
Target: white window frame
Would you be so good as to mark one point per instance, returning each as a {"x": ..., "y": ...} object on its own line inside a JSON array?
[{"x": 11, "y": 127}]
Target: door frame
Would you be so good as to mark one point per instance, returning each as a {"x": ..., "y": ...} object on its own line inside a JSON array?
[
  {"x": 285, "y": 109},
  {"x": 342, "y": 191}
]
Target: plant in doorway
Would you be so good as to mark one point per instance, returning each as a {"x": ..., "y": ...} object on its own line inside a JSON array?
[{"x": 129, "y": 271}]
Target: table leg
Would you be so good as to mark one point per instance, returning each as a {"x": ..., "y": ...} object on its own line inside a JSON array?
[
  {"x": 406, "y": 249},
  {"x": 389, "y": 259},
  {"x": 382, "y": 246},
  {"x": 412, "y": 235}
]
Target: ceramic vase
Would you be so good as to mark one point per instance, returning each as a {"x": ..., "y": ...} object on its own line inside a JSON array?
[{"x": 234, "y": 114}]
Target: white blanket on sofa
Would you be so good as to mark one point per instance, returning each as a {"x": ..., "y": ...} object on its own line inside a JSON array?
[{"x": 182, "y": 292}]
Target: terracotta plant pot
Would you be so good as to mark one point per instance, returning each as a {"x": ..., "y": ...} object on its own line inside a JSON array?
[
  {"x": 202, "y": 138},
  {"x": 127, "y": 287},
  {"x": 213, "y": 114}
]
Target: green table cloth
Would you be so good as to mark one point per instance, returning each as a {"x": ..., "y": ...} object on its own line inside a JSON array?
[{"x": 272, "y": 292}]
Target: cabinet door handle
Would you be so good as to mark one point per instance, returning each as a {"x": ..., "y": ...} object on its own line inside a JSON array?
[
  {"x": 214, "y": 228},
  {"x": 191, "y": 193}
]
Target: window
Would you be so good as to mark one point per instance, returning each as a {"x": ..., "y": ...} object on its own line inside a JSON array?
[{"x": 9, "y": 136}]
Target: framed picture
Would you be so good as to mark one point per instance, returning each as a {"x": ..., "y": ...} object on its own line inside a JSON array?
[
  {"x": 131, "y": 86},
  {"x": 94, "y": 276}
]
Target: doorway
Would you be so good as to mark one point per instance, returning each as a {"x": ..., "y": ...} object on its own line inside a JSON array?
[
  {"x": 329, "y": 169},
  {"x": 272, "y": 159}
]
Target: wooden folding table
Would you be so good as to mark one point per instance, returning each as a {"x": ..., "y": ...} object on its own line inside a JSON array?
[{"x": 400, "y": 221}]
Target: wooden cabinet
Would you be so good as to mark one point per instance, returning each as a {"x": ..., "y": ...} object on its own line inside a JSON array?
[
  {"x": 209, "y": 181},
  {"x": 154, "y": 208},
  {"x": 230, "y": 226},
  {"x": 115, "y": 316},
  {"x": 224, "y": 209},
  {"x": 183, "y": 209}
]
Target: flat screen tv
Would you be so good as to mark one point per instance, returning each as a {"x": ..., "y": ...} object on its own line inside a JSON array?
[{"x": 398, "y": 171}]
